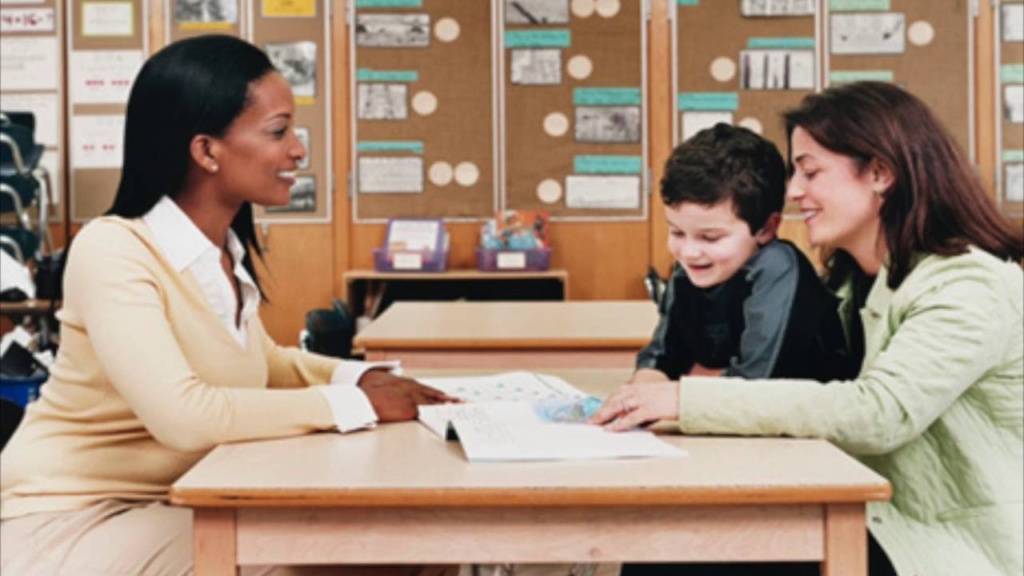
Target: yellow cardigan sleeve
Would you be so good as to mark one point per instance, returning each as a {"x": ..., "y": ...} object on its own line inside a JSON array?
[{"x": 117, "y": 294}]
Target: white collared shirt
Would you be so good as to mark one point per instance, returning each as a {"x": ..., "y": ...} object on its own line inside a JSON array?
[{"x": 187, "y": 248}]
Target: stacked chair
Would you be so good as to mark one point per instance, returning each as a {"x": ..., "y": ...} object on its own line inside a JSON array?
[
  {"x": 24, "y": 183},
  {"x": 25, "y": 193}
]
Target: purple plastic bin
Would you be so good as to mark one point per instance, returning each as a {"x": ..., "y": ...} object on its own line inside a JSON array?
[
  {"x": 491, "y": 260},
  {"x": 409, "y": 260}
]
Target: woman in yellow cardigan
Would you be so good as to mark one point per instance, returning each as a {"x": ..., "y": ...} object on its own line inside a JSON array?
[
  {"x": 163, "y": 355},
  {"x": 933, "y": 294}
]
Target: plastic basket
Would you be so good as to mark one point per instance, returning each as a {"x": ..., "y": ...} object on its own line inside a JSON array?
[
  {"x": 385, "y": 260},
  {"x": 493, "y": 260}
]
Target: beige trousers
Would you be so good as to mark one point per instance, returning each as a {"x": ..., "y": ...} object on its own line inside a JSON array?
[{"x": 116, "y": 538}]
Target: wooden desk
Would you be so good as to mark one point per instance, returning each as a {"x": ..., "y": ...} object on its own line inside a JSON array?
[
  {"x": 399, "y": 494},
  {"x": 509, "y": 335},
  {"x": 368, "y": 292}
]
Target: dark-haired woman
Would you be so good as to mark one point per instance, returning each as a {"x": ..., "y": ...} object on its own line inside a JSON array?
[
  {"x": 163, "y": 355},
  {"x": 934, "y": 293}
]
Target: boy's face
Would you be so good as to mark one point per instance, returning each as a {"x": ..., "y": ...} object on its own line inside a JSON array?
[{"x": 710, "y": 242}]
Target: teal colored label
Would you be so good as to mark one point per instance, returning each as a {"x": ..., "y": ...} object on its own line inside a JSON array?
[
  {"x": 560, "y": 38},
  {"x": 606, "y": 96},
  {"x": 1012, "y": 73},
  {"x": 608, "y": 164},
  {"x": 414, "y": 146},
  {"x": 729, "y": 101},
  {"x": 794, "y": 42},
  {"x": 859, "y": 5},
  {"x": 389, "y": 3},
  {"x": 1013, "y": 155},
  {"x": 847, "y": 76},
  {"x": 688, "y": 2},
  {"x": 367, "y": 75}
]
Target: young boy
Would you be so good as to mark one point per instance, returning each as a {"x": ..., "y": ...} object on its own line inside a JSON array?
[{"x": 740, "y": 301}]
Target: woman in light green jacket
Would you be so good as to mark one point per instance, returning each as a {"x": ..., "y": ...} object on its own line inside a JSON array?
[{"x": 938, "y": 408}]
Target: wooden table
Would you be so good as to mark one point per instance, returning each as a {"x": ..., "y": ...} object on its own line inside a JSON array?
[
  {"x": 399, "y": 494},
  {"x": 508, "y": 335}
]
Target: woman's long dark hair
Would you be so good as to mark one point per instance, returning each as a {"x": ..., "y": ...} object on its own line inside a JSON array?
[
  {"x": 937, "y": 204},
  {"x": 193, "y": 86}
]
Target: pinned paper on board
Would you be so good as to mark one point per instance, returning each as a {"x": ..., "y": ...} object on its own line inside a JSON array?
[{"x": 860, "y": 33}]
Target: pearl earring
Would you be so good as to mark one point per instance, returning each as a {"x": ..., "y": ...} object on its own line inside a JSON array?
[{"x": 214, "y": 168}]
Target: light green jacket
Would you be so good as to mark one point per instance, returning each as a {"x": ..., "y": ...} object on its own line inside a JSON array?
[{"x": 938, "y": 409}]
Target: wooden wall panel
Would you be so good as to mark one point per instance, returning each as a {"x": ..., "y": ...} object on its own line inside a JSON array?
[{"x": 297, "y": 276}]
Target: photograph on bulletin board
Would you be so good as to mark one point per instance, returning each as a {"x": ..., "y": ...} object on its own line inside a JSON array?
[{"x": 196, "y": 12}]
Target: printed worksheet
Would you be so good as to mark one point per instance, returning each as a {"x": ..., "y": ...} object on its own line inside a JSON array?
[{"x": 529, "y": 416}]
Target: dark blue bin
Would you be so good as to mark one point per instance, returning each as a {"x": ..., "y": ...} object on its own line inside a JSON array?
[{"x": 21, "y": 390}]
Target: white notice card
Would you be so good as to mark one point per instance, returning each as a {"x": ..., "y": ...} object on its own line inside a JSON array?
[
  {"x": 103, "y": 76},
  {"x": 97, "y": 141},
  {"x": 29, "y": 63}
]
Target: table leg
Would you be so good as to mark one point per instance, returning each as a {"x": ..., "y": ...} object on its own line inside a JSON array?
[
  {"x": 846, "y": 541},
  {"x": 215, "y": 542}
]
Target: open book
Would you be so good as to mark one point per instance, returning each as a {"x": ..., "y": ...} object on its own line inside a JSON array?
[{"x": 529, "y": 416}]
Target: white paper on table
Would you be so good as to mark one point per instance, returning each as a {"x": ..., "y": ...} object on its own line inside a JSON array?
[
  {"x": 515, "y": 386},
  {"x": 29, "y": 63},
  {"x": 103, "y": 76},
  {"x": 499, "y": 421},
  {"x": 437, "y": 417},
  {"x": 506, "y": 433}
]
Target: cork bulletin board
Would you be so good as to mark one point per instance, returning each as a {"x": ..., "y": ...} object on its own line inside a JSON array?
[
  {"x": 423, "y": 109},
  {"x": 925, "y": 46},
  {"x": 33, "y": 55},
  {"x": 743, "y": 63},
  {"x": 187, "y": 18},
  {"x": 106, "y": 46},
  {"x": 295, "y": 35},
  {"x": 574, "y": 107},
  {"x": 1009, "y": 96}
]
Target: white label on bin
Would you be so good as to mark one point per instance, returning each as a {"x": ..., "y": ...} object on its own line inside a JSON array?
[
  {"x": 408, "y": 261},
  {"x": 511, "y": 260}
]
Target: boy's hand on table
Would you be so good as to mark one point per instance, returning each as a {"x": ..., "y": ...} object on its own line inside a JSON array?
[
  {"x": 638, "y": 404},
  {"x": 395, "y": 398}
]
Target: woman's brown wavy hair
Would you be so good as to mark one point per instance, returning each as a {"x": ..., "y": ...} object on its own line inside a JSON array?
[{"x": 937, "y": 203}]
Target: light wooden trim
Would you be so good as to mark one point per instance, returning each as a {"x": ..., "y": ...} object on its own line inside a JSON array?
[
  {"x": 711, "y": 534},
  {"x": 846, "y": 541},
  {"x": 341, "y": 226},
  {"x": 662, "y": 108},
  {"x": 985, "y": 117},
  {"x": 511, "y": 498},
  {"x": 157, "y": 39},
  {"x": 214, "y": 536}
]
